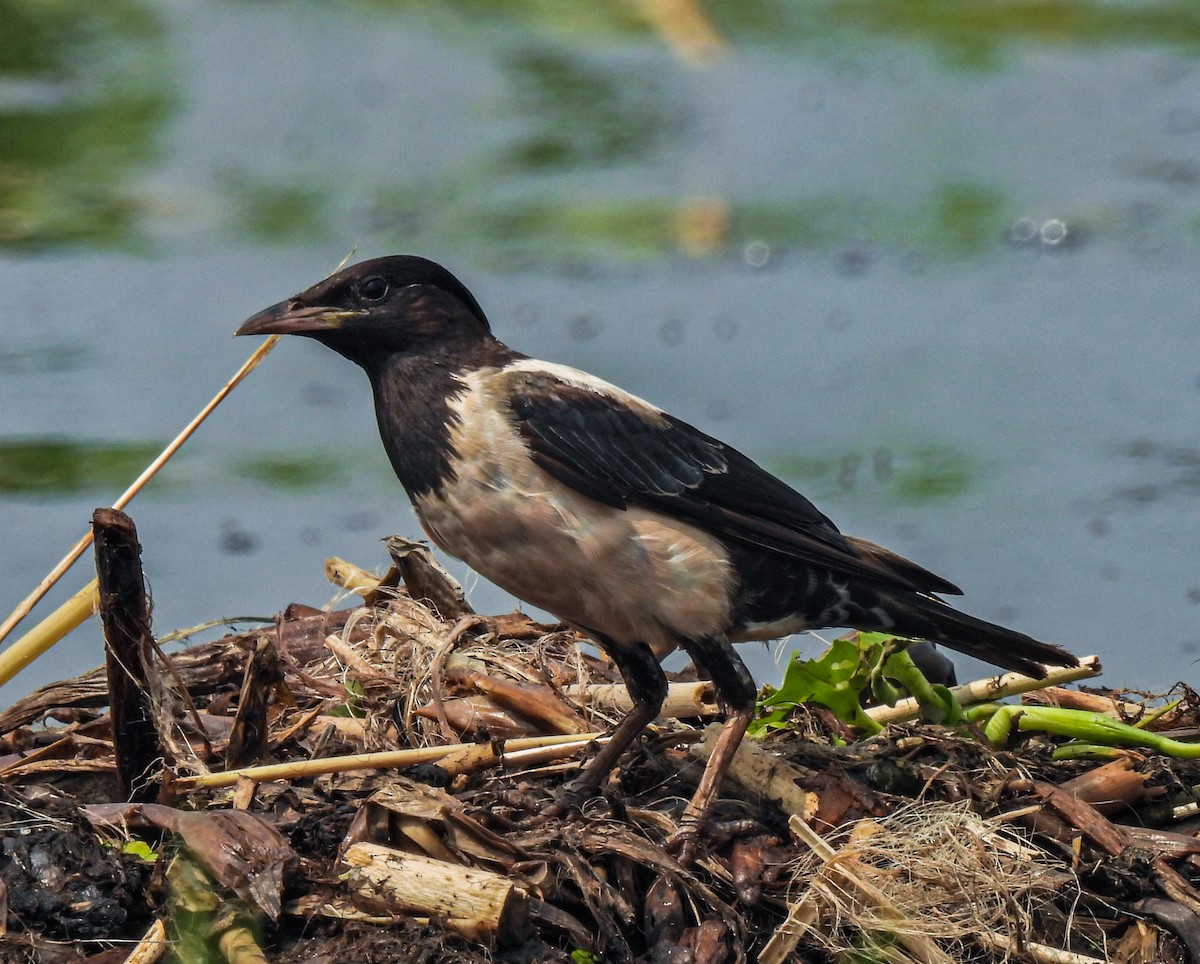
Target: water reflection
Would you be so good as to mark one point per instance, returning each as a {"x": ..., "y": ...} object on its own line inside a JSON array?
[
  {"x": 59, "y": 467},
  {"x": 583, "y": 113},
  {"x": 81, "y": 109},
  {"x": 88, "y": 91}
]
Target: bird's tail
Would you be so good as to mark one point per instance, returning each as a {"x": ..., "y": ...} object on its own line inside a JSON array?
[{"x": 922, "y": 617}]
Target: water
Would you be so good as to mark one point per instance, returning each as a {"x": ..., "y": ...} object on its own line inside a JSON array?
[{"x": 941, "y": 278}]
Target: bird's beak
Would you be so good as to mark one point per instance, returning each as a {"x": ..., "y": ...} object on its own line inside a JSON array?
[{"x": 281, "y": 319}]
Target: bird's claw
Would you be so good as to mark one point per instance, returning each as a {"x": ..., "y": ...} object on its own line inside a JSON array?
[{"x": 683, "y": 841}]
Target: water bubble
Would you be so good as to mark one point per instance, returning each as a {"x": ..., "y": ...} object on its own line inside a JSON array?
[
  {"x": 1023, "y": 231},
  {"x": 1053, "y": 232},
  {"x": 756, "y": 254}
]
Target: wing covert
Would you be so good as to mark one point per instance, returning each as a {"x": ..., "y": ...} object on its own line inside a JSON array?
[{"x": 621, "y": 451}]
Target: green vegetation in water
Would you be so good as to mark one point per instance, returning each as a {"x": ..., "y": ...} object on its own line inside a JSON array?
[
  {"x": 70, "y": 163},
  {"x": 292, "y": 471},
  {"x": 957, "y": 221},
  {"x": 58, "y": 466},
  {"x": 976, "y": 33},
  {"x": 967, "y": 33},
  {"x": 583, "y": 114},
  {"x": 85, "y": 107},
  {"x": 61, "y": 467}
]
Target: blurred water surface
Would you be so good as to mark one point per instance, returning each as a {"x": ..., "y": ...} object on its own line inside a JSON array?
[{"x": 934, "y": 262}]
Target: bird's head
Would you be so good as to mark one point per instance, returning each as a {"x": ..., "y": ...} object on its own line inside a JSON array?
[{"x": 374, "y": 310}]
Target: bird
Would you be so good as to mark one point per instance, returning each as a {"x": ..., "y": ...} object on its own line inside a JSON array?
[{"x": 634, "y": 527}]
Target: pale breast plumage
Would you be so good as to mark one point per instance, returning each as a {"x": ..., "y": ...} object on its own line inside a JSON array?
[{"x": 630, "y": 574}]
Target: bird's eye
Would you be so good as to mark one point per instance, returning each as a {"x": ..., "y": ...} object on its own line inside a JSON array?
[{"x": 373, "y": 289}]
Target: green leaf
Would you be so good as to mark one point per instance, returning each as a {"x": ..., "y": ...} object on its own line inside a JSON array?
[
  {"x": 834, "y": 680},
  {"x": 140, "y": 849},
  {"x": 837, "y": 679}
]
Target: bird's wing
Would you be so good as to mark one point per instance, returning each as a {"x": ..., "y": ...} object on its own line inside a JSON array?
[{"x": 619, "y": 450}]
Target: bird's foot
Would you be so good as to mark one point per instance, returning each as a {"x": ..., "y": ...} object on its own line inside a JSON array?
[
  {"x": 683, "y": 841},
  {"x": 570, "y": 798}
]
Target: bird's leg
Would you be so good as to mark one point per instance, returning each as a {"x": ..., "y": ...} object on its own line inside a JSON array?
[
  {"x": 648, "y": 688},
  {"x": 736, "y": 693}
]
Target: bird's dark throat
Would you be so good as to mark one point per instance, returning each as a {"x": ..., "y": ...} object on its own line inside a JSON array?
[{"x": 413, "y": 396}]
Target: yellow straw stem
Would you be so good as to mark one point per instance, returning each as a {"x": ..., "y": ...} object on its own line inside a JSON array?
[{"x": 75, "y": 611}]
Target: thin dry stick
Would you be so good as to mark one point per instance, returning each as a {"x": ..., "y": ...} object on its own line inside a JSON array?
[
  {"x": 126, "y": 497},
  {"x": 387, "y": 759}
]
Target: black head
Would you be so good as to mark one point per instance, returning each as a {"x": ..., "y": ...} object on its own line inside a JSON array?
[{"x": 376, "y": 309}]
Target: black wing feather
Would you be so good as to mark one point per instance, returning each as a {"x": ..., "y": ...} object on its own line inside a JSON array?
[{"x": 602, "y": 447}]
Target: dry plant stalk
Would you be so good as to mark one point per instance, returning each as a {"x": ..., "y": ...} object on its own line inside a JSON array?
[
  {"x": 391, "y": 759},
  {"x": 683, "y": 701},
  {"x": 479, "y": 904},
  {"x": 1078, "y": 700},
  {"x": 991, "y": 688},
  {"x": 153, "y": 945},
  {"x": 65, "y": 619},
  {"x": 1040, "y": 953}
]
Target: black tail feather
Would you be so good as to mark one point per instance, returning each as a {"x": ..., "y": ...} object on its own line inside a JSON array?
[{"x": 925, "y": 618}]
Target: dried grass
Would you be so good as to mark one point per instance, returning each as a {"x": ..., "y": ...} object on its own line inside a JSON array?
[{"x": 947, "y": 874}]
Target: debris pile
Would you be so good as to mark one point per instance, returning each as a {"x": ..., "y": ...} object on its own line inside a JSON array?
[{"x": 372, "y": 784}]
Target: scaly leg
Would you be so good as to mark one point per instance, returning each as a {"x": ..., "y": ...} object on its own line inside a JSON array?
[
  {"x": 648, "y": 688},
  {"x": 736, "y": 693}
]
